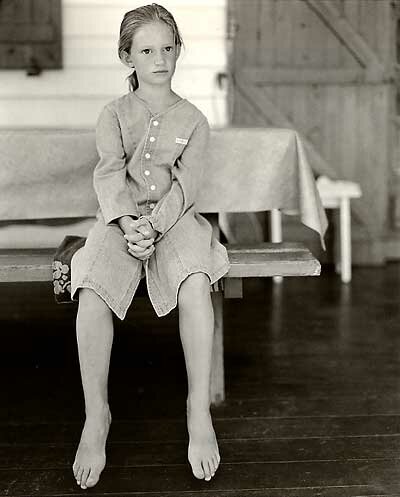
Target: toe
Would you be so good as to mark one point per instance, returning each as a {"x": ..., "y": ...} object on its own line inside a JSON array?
[
  {"x": 213, "y": 467},
  {"x": 215, "y": 463},
  {"x": 206, "y": 469},
  {"x": 93, "y": 478},
  {"x": 85, "y": 474},
  {"x": 75, "y": 469},
  {"x": 79, "y": 475},
  {"x": 198, "y": 471}
]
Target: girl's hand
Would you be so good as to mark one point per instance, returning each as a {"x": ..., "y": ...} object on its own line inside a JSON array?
[
  {"x": 136, "y": 238},
  {"x": 127, "y": 223},
  {"x": 140, "y": 244},
  {"x": 146, "y": 229},
  {"x": 142, "y": 252}
]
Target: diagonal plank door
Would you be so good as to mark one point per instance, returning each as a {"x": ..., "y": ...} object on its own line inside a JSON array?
[{"x": 326, "y": 69}]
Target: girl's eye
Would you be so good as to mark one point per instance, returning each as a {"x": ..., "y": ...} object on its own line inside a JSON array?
[
  {"x": 146, "y": 51},
  {"x": 169, "y": 49}
]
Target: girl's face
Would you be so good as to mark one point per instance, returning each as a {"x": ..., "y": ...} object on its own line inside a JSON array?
[{"x": 153, "y": 54}]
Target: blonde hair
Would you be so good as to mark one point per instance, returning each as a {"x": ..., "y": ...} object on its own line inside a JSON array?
[{"x": 136, "y": 18}]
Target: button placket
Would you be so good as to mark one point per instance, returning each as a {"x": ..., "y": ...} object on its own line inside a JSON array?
[{"x": 148, "y": 155}]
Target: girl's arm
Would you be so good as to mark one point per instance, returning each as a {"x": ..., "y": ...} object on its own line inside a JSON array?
[
  {"x": 109, "y": 177},
  {"x": 187, "y": 175}
]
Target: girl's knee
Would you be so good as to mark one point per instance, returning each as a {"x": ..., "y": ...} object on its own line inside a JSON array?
[
  {"x": 91, "y": 301},
  {"x": 193, "y": 288}
]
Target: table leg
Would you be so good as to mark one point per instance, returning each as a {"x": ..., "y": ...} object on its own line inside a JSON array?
[
  {"x": 276, "y": 234},
  {"x": 217, "y": 368},
  {"x": 345, "y": 240}
]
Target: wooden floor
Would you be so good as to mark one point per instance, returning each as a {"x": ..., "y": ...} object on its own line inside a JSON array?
[{"x": 313, "y": 384}]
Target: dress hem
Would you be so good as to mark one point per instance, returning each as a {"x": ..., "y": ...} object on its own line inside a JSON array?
[{"x": 216, "y": 275}]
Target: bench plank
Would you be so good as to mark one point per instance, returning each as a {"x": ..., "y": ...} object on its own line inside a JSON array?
[
  {"x": 263, "y": 260},
  {"x": 272, "y": 259},
  {"x": 26, "y": 265}
]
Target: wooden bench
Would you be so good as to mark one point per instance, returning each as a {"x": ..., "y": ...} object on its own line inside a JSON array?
[
  {"x": 267, "y": 164},
  {"x": 261, "y": 260}
]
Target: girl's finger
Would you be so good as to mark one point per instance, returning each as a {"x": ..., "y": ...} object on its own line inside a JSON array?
[
  {"x": 141, "y": 246},
  {"x": 140, "y": 251},
  {"x": 149, "y": 251},
  {"x": 144, "y": 230},
  {"x": 134, "y": 237},
  {"x": 145, "y": 243},
  {"x": 136, "y": 250},
  {"x": 143, "y": 256},
  {"x": 139, "y": 222}
]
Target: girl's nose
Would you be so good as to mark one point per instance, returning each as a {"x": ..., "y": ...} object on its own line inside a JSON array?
[{"x": 159, "y": 60}]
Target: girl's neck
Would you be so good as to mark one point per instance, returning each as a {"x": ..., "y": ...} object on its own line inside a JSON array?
[{"x": 162, "y": 96}]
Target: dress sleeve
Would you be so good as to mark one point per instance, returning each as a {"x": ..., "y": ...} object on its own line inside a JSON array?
[
  {"x": 187, "y": 174},
  {"x": 109, "y": 179}
]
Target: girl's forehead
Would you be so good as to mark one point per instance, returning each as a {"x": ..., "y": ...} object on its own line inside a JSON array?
[{"x": 153, "y": 32}]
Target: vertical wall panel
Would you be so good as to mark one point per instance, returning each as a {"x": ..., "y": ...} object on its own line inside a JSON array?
[
  {"x": 267, "y": 41},
  {"x": 283, "y": 35}
]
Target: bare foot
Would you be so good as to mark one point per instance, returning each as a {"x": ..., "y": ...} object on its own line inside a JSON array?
[
  {"x": 203, "y": 453},
  {"x": 90, "y": 457}
]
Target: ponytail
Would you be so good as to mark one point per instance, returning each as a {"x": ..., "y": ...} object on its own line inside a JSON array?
[{"x": 133, "y": 81}]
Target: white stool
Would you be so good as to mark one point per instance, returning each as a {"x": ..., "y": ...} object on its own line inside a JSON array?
[
  {"x": 337, "y": 195},
  {"x": 334, "y": 195}
]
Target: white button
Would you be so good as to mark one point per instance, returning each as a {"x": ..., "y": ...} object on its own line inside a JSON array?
[
  {"x": 155, "y": 123},
  {"x": 147, "y": 156},
  {"x": 147, "y": 172},
  {"x": 152, "y": 187},
  {"x": 152, "y": 139},
  {"x": 152, "y": 206}
]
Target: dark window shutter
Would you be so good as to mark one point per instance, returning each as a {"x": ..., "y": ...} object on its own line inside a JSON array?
[{"x": 30, "y": 35}]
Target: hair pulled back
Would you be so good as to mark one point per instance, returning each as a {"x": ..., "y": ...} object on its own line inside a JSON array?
[{"x": 136, "y": 18}]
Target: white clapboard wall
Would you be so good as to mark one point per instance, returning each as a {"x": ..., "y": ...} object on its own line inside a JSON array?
[{"x": 92, "y": 74}]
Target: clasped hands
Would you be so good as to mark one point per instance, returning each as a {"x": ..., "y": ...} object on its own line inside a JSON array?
[{"x": 140, "y": 237}]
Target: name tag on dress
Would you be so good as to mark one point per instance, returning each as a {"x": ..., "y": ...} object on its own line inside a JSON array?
[{"x": 182, "y": 141}]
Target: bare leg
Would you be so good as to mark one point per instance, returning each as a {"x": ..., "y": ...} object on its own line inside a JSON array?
[
  {"x": 94, "y": 328},
  {"x": 196, "y": 326}
]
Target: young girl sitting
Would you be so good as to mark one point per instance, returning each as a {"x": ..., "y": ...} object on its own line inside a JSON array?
[{"x": 152, "y": 146}]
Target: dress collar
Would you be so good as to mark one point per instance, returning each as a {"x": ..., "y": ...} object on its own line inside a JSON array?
[{"x": 145, "y": 104}]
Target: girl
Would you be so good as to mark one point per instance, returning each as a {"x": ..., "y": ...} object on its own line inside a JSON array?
[{"x": 152, "y": 146}]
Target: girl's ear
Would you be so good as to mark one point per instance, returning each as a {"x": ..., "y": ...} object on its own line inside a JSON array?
[
  {"x": 126, "y": 59},
  {"x": 178, "y": 51}
]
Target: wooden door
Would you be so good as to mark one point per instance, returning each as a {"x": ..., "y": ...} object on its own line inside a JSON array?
[{"x": 326, "y": 69}]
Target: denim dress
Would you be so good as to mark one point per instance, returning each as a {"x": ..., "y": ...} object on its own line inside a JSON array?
[{"x": 150, "y": 166}]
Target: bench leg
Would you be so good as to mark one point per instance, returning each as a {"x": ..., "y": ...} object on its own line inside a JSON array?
[
  {"x": 217, "y": 368},
  {"x": 233, "y": 288}
]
